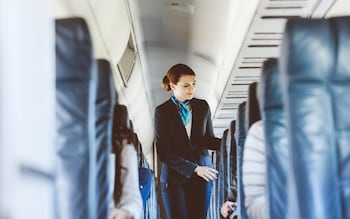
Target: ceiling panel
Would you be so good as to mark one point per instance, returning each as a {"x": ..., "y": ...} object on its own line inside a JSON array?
[{"x": 263, "y": 40}]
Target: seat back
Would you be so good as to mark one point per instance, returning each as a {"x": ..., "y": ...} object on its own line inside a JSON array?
[
  {"x": 218, "y": 189},
  {"x": 75, "y": 121},
  {"x": 232, "y": 175},
  {"x": 145, "y": 175},
  {"x": 227, "y": 165},
  {"x": 276, "y": 139},
  {"x": 241, "y": 133},
  {"x": 252, "y": 108},
  {"x": 222, "y": 180},
  {"x": 316, "y": 71},
  {"x": 104, "y": 118}
]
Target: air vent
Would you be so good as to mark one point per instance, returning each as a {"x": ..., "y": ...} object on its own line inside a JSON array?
[
  {"x": 288, "y": 0},
  {"x": 229, "y": 105},
  {"x": 281, "y": 7},
  {"x": 181, "y": 7},
  {"x": 256, "y": 59},
  {"x": 279, "y": 17},
  {"x": 249, "y": 67},
  {"x": 239, "y": 96},
  {"x": 226, "y": 115},
  {"x": 245, "y": 80},
  {"x": 263, "y": 45},
  {"x": 248, "y": 72},
  {"x": 251, "y": 62}
]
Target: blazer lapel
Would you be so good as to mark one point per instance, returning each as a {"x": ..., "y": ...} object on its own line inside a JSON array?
[
  {"x": 177, "y": 119},
  {"x": 194, "y": 120}
]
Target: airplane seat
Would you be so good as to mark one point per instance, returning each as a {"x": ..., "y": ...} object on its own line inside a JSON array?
[
  {"x": 232, "y": 190},
  {"x": 75, "y": 121},
  {"x": 145, "y": 174},
  {"x": 104, "y": 118},
  {"x": 213, "y": 205},
  {"x": 221, "y": 160},
  {"x": 276, "y": 139},
  {"x": 248, "y": 113},
  {"x": 147, "y": 186},
  {"x": 252, "y": 108},
  {"x": 227, "y": 165},
  {"x": 217, "y": 192},
  {"x": 240, "y": 136},
  {"x": 316, "y": 76}
]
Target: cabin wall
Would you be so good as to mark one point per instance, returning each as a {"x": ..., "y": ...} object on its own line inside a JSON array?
[
  {"x": 110, "y": 27},
  {"x": 27, "y": 109}
]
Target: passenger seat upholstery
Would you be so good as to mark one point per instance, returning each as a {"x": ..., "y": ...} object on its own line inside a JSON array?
[
  {"x": 75, "y": 121},
  {"x": 232, "y": 194},
  {"x": 252, "y": 109},
  {"x": 240, "y": 136},
  {"x": 316, "y": 75},
  {"x": 104, "y": 118},
  {"x": 276, "y": 139}
]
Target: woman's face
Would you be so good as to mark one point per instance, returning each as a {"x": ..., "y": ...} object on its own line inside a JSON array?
[{"x": 184, "y": 89}]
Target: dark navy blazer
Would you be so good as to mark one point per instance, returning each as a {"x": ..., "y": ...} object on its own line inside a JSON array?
[{"x": 179, "y": 154}]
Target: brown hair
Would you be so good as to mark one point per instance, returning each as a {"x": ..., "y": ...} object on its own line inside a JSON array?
[
  {"x": 174, "y": 74},
  {"x": 122, "y": 130}
]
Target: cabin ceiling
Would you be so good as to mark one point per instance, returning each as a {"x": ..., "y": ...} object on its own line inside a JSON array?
[{"x": 204, "y": 34}]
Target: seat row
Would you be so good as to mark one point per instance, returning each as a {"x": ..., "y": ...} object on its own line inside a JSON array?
[
  {"x": 302, "y": 101},
  {"x": 86, "y": 111}
]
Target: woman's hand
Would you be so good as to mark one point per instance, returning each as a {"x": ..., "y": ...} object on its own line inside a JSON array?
[
  {"x": 227, "y": 208},
  {"x": 118, "y": 213},
  {"x": 207, "y": 173}
]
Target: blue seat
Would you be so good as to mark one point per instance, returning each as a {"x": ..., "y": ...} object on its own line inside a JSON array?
[
  {"x": 247, "y": 114},
  {"x": 276, "y": 138},
  {"x": 240, "y": 136},
  {"x": 218, "y": 189},
  {"x": 316, "y": 75},
  {"x": 221, "y": 166},
  {"x": 104, "y": 117},
  {"x": 252, "y": 109},
  {"x": 229, "y": 182},
  {"x": 145, "y": 179},
  {"x": 232, "y": 163},
  {"x": 75, "y": 121}
]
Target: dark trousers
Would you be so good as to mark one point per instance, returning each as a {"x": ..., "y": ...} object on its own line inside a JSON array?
[{"x": 186, "y": 201}]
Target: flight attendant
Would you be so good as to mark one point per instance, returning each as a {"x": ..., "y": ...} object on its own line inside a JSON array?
[{"x": 183, "y": 134}]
